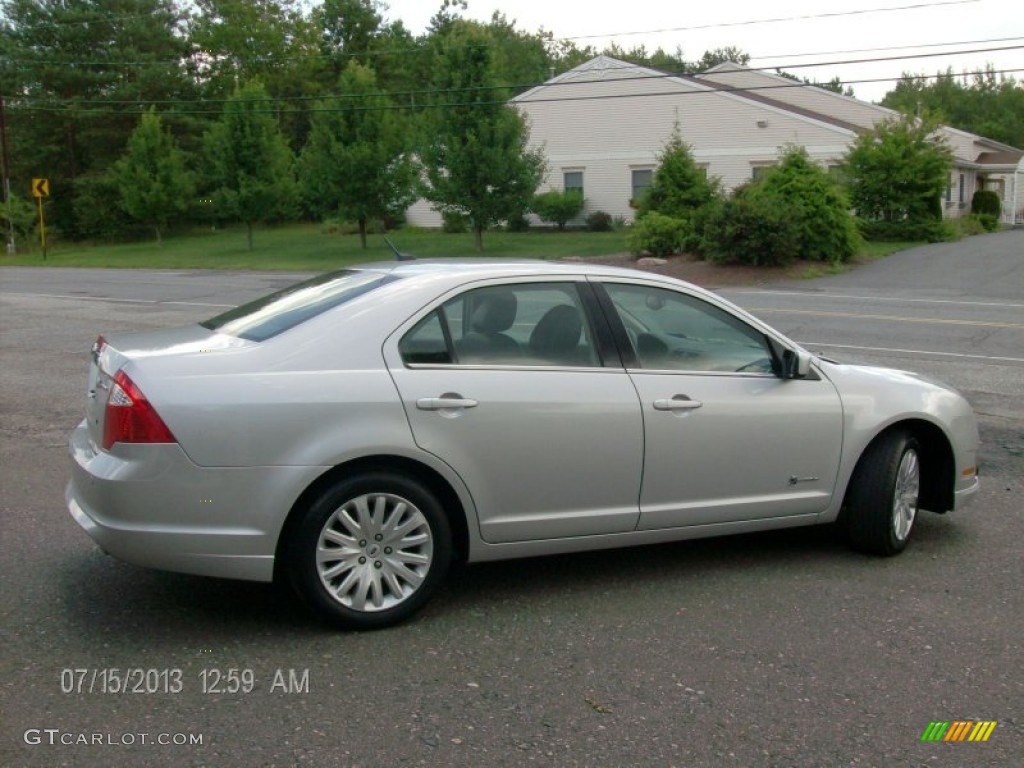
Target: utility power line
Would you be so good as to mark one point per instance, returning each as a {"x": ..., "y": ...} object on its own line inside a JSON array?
[
  {"x": 885, "y": 48},
  {"x": 137, "y": 108},
  {"x": 752, "y": 22},
  {"x": 113, "y": 65},
  {"x": 430, "y": 93}
]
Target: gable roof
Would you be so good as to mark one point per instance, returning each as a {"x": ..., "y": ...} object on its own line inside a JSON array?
[
  {"x": 825, "y": 104},
  {"x": 797, "y": 94},
  {"x": 605, "y": 69}
]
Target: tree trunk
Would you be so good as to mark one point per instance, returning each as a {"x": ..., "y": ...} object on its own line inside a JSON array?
[
  {"x": 156, "y": 228},
  {"x": 362, "y": 231},
  {"x": 478, "y": 238},
  {"x": 248, "y": 233}
]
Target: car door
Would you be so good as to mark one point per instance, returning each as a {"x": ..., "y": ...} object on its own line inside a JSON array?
[
  {"x": 726, "y": 438},
  {"x": 505, "y": 382}
]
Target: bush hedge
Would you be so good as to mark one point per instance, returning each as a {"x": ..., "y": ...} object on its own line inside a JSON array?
[
  {"x": 985, "y": 201},
  {"x": 558, "y": 208},
  {"x": 752, "y": 230},
  {"x": 599, "y": 221},
  {"x": 906, "y": 230},
  {"x": 658, "y": 235}
]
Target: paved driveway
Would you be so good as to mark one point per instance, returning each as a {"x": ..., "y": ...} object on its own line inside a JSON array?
[{"x": 986, "y": 266}]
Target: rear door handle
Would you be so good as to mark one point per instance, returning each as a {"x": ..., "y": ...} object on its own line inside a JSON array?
[
  {"x": 445, "y": 402},
  {"x": 677, "y": 403}
]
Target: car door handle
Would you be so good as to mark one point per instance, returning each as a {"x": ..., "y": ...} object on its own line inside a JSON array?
[
  {"x": 444, "y": 403},
  {"x": 677, "y": 403}
]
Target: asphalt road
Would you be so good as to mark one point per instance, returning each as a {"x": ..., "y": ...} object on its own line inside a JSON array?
[{"x": 780, "y": 649}]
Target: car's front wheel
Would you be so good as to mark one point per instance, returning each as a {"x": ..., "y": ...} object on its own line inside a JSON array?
[
  {"x": 881, "y": 503},
  {"x": 370, "y": 550}
]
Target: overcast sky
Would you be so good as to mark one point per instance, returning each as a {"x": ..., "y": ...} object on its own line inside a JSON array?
[{"x": 962, "y": 24}]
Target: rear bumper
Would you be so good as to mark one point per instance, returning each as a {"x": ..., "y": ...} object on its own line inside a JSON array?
[{"x": 151, "y": 506}]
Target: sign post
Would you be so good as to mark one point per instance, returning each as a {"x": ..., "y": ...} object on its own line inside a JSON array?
[{"x": 41, "y": 189}]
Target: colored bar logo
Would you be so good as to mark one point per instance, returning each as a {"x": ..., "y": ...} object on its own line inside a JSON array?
[{"x": 959, "y": 730}]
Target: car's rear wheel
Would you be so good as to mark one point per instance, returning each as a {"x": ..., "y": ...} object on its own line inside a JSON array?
[
  {"x": 881, "y": 503},
  {"x": 370, "y": 550}
]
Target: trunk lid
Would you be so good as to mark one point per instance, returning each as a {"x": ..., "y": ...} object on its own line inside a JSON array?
[{"x": 110, "y": 353}]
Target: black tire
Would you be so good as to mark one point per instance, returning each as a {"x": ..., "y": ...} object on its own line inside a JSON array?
[
  {"x": 881, "y": 502},
  {"x": 393, "y": 546}
]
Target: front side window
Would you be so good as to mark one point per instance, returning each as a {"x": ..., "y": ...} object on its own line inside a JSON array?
[
  {"x": 526, "y": 324},
  {"x": 674, "y": 331}
]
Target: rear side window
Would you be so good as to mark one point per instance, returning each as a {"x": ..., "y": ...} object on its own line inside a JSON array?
[
  {"x": 268, "y": 316},
  {"x": 526, "y": 324}
]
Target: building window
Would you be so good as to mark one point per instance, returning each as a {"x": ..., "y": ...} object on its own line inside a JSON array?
[
  {"x": 572, "y": 181},
  {"x": 961, "y": 188},
  {"x": 949, "y": 190},
  {"x": 641, "y": 182},
  {"x": 758, "y": 171}
]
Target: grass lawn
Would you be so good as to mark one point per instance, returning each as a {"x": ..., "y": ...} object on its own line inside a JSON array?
[{"x": 305, "y": 247}]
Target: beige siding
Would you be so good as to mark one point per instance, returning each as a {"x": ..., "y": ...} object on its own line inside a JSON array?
[
  {"x": 608, "y": 128},
  {"x": 963, "y": 144},
  {"x": 607, "y": 118},
  {"x": 422, "y": 214}
]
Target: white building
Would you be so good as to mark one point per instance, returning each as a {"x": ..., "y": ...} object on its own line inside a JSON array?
[{"x": 602, "y": 125}]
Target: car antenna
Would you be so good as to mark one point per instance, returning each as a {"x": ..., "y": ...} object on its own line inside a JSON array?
[{"x": 399, "y": 256}]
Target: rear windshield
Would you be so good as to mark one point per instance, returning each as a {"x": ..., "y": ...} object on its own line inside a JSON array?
[{"x": 268, "y": 316}]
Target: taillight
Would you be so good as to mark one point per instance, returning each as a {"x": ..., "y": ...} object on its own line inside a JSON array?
[
  {"x": 98, "y": 346},
  {"x": 130, "y": 417}
]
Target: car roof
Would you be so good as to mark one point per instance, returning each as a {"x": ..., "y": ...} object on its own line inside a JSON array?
[{"x": 499, "y": 267}]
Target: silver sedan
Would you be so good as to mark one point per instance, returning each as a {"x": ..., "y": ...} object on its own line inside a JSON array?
[{"x": 357, "y": 432}]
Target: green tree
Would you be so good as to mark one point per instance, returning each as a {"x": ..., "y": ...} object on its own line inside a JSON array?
[
  {"x": 356, "y": 163},
  {"x": 73, "y": 74},
  {"x": 152, "y": 177},
  {"x": 674, "y": 62},
  {"x": 898, "y": 172},
  {"x": 249, "y": 161},
  {"x": 982, "y": 102},
  {"x": 475, "y": 156},
  {"x": 679, "y": 189},
  {"x": 520, "y": 59},
  {"x": 237, "y": 41},
  {"x": 19, "y": 215},
  {"x": 356, "y": 30},
  {"x": 566, "y": 54},
  {"x": 349, "y": 28},
  {"x": 814, "y": 205},
  {"x": 718, "y": 56},
  {"x": 835, "y": 84}
]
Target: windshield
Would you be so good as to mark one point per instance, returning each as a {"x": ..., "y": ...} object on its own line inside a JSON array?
[{"x": 270, "y": 315}]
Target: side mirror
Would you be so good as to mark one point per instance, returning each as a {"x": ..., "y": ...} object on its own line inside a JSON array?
[{"x": 796, "y": 364}]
